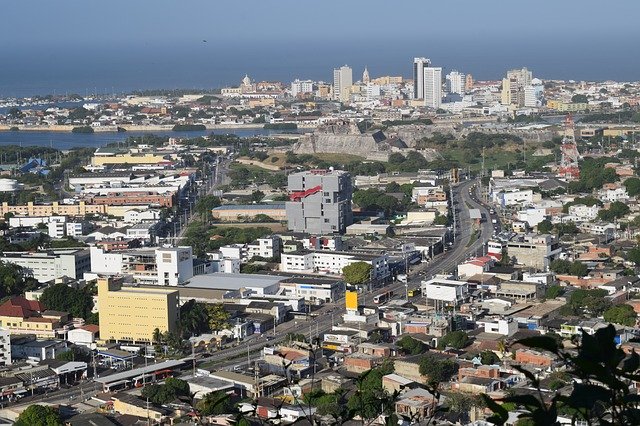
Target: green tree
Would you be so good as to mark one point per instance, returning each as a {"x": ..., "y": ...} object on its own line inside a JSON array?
[
  {"x": 14, "y": 279},
  {"x": 194, "y": 318},
  {"x": 545, "y": 227},
  {"x": 615, "y": 211},
  {"x": 370, "y": 399},
  {"x": 582, "y": 99},
  {"x": 218, "y": 317},
  {"x": 578, "y": 269},
  {"x": 553, "y": 292},
  {"x": 167, "y": 392},
  {"x": 456, "y": 340},
  {"x": 39, "y": 415},
  {"x": 357, "y": 273},
  {"x": 61, "y": 297},
  {"x": 74, "y": 354},
  {"x": 215, "y": 403},
  {"x": 411, "y": 346},
  {"x": 633, "y": 186},
  {"x": 489, "y": 358},
  {"x": 634, "y": 255},
  {"x": 437, "y": 370},
  {"x": 602, "y": 376},
  {"x": 257, "y": 196},
  {"x": 205, "y": 205},
  {"x": 621, "y": 314}
]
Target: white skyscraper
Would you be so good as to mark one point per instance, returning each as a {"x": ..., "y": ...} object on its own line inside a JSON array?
[
  {"x": 432, "y": 87},
  {"x": 342, "y": 82},
  {"x": 456, "y": 82},
  {"x": 419, "y": 64}
]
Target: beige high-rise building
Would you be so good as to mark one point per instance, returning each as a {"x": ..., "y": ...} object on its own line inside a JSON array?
[
  {"x": 342, "y": 82},
  {"x": 513, "y": 86},
  {"x": 131, "y": 314},
  {"x": 468, "y": 83}
]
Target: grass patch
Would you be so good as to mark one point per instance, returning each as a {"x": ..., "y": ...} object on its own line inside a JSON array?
[
  {"x": 474, "y": 237},
  {"x": 331, "y": 157}
]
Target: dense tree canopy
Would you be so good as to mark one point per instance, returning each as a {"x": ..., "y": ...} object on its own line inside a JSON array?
[
  {"x": 411, "y": 346},
  {"x": 167, "y": 392},
  {"x": 215, "y": 403},
  {"x": 357, "y": 273},
  {"x": 39, "y": 415},
  {"x": 61, "y": 297},
  {"x": 616, "y": 210},
  {"x": 456, "y": 340},
  {"x": 436, "y": 369},
  {"x": 621, "y": 314}
]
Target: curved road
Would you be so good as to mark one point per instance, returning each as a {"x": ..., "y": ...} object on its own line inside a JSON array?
[{"x": 321, "y": 320}]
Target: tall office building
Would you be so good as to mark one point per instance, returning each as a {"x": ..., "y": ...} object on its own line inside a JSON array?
[
  {"x": 419, "y": 64},
  {"x": 513, "y": 86},
  {"x": 320, "y": 201},
  {"x": 342, "y": 82},
  {"x": 456, "y": 82},
  {"x": 433, "y": 87}
]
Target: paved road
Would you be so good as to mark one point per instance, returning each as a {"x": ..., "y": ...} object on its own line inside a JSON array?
[
  {"x": 321, "y": 320},
  {"x": 331, "y": 312}
]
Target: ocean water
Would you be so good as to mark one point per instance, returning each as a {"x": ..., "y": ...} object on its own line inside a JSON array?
[
  {"x": 200, "y": 65},
  {"x": 68, "y": 140}
]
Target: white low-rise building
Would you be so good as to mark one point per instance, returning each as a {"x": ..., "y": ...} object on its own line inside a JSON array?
[
  {"x": 154, "y": 266},
  {"x": 332, "y": 262},
  {"x": 533, "y": 216},
  {"x": 506, "y": 327},
  {"x": 84, "y": 336},
  {"x": 514, "y": 198},
  {"x": 443, "y": 290},
  {"x": 583, "y": 212}
]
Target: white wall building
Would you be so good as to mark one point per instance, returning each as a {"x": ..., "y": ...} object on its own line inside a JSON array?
[
  {"x": 455, "y": 82},
  {"x": 583, "y": 212},
  {"x": 52, "y": 264},
  {"x": 445, "y": 290},
  {"x": 301, "y": 86},
  {"x": 513, "y": 198},
  {"x": 332, "y": 262},
  {"x": 138, "y": 215},
  {"x": 502, "y": 326},
  {"x": 433, "y": 87},
  {"x": 5, "y": 347},
  {"x": 533, "y": 216},
  {"x": 156, "y": 266}
]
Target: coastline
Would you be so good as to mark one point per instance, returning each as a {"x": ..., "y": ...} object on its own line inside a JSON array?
[{"x": 61, "y": 128}]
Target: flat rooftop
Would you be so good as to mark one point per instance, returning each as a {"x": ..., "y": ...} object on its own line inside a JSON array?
[
  {"x": 222, "y": 281},
  {"x": 275, "y": 206}
]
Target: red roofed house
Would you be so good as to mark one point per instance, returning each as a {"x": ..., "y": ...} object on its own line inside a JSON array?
[
  {"x": 475, "y": 266},
  {"x": 22, "y": 316}
]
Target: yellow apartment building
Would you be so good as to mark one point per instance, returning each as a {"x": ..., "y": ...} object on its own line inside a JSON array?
[{"x": 131, "y": 314}]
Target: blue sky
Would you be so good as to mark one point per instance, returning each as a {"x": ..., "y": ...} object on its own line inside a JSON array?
[{"x": 29, "y": 23}]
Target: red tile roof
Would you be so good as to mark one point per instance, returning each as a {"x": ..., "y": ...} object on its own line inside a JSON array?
[
  {"x": 93, "y": 328},
  {"x": 20, "y": 307}
]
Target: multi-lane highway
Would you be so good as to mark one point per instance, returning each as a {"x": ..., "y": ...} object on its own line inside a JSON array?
[{"x": 465, "y": 196}]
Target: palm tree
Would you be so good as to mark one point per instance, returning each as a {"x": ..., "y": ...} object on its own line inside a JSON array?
[{"x": 157, "y": 336}]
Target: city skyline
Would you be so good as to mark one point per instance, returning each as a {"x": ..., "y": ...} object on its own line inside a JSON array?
[{"x": 162, "y": 45}]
